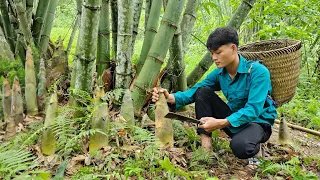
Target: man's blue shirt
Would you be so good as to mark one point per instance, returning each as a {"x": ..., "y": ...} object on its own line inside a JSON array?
[{"x": 247, "y": 94}]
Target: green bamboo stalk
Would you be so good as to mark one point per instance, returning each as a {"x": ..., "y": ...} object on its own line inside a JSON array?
[
  {"x": 137, "y": 7},
  {"x": 76, "y": 25},
  {"x": 31, "y": 85},
  {"x": 48, "y": 139},
  {"x": 103, "y": 51},
  {"x": 127, "y": 109},
  {"x": 100, "y": 120},
  {"x": 188, "y": 21},
  {"x": 46, "y": 31},
  {"x": 124, "y": 43},
  {"x": 157, "y": 53},
  {"x": 147, "y": 9},
  {"x": 74, "y": 66},
  {"x": 23, "y": 22},
  {"x": 150, "y": 32},
  {"x": 16, "y": 102},
  {"x": 7, "y": 24},
  {"x": 42, "y": 85},
  {"x": 87, "y": 45},
  {"x": 5, "y": 51},
  {"x": 206, "y": 61},
  {"x": 6, "y": 99},
  {"x": 114, "y": 18},
  {"x": 39, "y": 19}
]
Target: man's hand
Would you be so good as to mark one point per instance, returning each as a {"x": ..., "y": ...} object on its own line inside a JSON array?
[
  {"x": 155, "y": 95},
  {"x": 210, "y": 124}
]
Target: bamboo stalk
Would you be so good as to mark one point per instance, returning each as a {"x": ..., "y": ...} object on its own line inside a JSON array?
[
  {"x": 5, "y": 51},
  {"x": 39, "y": 19},
  {"x": 103, "y": 49},
  {"x": 150, "y": 32},
  {"x": 157, "y": 53},
  {"x": 303, "y": 129},
  {"x": 147, "y": 9},
  {"x": 114, "y": 18},
  {"x": 124, "y": 43},
  {"x": 137, "y": 7},
  {"x": 29, "y": 8},
  {"x": 23, "y": 22},
  {"x": 46, "y": 31},
  {"x": 75, "y": 27},
  {"x": 7, "y": 24}
]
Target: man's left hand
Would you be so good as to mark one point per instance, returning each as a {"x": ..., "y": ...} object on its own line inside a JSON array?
[{"x": 210, "y": 124}]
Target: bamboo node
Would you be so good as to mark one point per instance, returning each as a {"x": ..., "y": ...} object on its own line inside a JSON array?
[
  {"x": 124, "y": 34},
  {"x": 85, "y": 59},
  {"x": 143, "y": 89},
  {"x": 124, "y": 74},
  {"x": 156, "y": 58},
  {"x": 190, "y": 14},
  {"x": 93, "y": 8},
  {"x": 247, "y": 3},
  {"x": 170, "y": 23},
  {"x": 152, "y": 30}
]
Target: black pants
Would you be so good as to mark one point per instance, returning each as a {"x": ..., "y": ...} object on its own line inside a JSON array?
[{"x": 246, "y": 142}]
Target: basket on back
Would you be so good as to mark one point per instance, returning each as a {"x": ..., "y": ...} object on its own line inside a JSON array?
[{"x": 282, "y": 57}]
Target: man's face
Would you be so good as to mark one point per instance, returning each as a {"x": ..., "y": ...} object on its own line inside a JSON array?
[{"x": 224, "y": 55}]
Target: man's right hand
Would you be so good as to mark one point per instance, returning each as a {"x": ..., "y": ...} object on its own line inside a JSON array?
[{"x": 155, "y": 95}]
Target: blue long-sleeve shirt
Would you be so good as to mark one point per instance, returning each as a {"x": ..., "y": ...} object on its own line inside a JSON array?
[{"x": 247, "y": 94}]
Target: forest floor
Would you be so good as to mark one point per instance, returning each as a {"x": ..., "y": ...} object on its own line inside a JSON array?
[{"x": 277, "y": 164}]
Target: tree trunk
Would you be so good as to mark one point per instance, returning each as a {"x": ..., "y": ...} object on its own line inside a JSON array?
[
  {"x": 5, "y": 52},
  {"x": 39, "y": 19},
  {"x": 46, "y": 31},
  {"x": 205, "y": 63},
  {"x": 100, "y": 120},
  {"x": 157, "y": 53},
  {"x": 48, "y": 139},
  {"x": 7, "y": 24},
  {"x": 31, "y": 85},
  {"x": 150, "y": 32},
  {"x": 103, "y": 52},
  {"x": 124, "y": 43},
  {"x": 87, "y": 46},
  {"x": 114, "y": 18},
  {"x": 137, "y": 7}
]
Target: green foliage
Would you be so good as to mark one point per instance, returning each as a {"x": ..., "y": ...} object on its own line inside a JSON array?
[
  {"x": 14, "y": 161},
  {"x": 290, "y": 168},
  {"x": 12, "y": 69},
  {"x": 167, "y": 166}
]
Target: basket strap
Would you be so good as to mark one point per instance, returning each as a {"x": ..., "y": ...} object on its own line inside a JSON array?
[{"x": 274, "y": 103}]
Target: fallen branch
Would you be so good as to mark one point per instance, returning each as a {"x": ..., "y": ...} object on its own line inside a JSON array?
[{"x": 310, "y": 131}]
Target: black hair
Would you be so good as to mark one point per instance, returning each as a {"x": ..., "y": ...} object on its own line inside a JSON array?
[{"x": 222, "y": 36}]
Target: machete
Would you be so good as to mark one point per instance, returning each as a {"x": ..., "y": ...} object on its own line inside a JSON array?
[{"x": 180, "y": 117}]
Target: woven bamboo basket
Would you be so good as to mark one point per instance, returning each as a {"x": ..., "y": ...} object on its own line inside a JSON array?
[{"x": 283, "y": 58}]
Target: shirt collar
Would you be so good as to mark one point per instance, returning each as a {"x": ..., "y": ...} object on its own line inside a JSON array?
[{"x": 242, "y": 68}]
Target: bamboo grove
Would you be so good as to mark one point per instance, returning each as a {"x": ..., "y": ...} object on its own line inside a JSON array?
[{"x": 102, "y": 61}]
